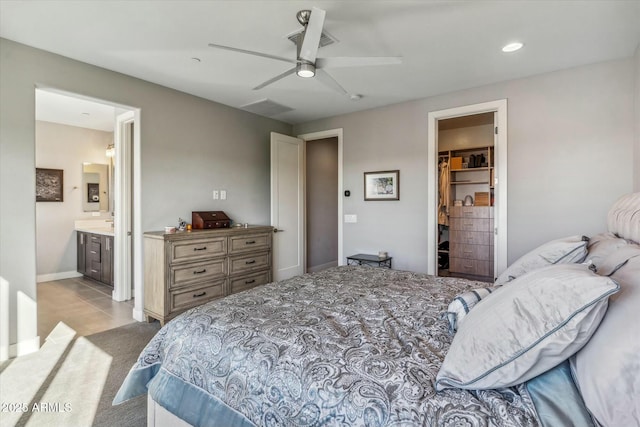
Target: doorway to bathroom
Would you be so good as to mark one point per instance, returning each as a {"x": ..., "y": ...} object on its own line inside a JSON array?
[{"x": 83, "y": 240}]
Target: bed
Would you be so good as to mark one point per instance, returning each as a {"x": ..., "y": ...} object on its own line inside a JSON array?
[{"x": 365, "y": 346}]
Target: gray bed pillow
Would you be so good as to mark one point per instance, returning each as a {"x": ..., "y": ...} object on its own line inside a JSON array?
[
  {"x": 607, "y": 368},
  {"x": 567, "y": 250},
  {"x": 602, "y": 245},
  {"x": 526, "y": 328}
]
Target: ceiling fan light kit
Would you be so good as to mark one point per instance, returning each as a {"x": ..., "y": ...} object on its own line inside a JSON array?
[
  {"x": 307, "y": 64},
  {"x": 305, "y": 70}
]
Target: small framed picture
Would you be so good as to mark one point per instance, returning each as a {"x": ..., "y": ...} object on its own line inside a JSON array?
[
  {"x": 49, "y": 185},
  {"x": 383, "y": 185},
  {"x": 93, "y": 192}
]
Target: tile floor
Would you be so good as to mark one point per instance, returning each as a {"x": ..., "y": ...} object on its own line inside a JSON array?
[{"x": 82, "y": 304}]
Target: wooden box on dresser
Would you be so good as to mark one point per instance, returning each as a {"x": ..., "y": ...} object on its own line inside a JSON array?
[
  {"x": 186, "y": 269},
  {"x": 471, "y": 241}
]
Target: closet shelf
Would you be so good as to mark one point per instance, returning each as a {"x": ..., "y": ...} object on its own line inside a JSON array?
[
  {"x": 468, "y": 182},
  {"x": 471, "y": 169}
]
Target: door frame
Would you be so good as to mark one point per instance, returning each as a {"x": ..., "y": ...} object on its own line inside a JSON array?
[
  {"x": 127, "y": 278},
  {"x": 134, "y": 202},
  {"x": 500, "y": 180},
  {"x": 312, "y": 136}
]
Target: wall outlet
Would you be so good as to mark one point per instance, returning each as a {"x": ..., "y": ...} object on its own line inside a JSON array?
[
  {"x": 223, "y": 194},
  {"x": 351, "y": 218},
  {"x": 216, "y": 195}
]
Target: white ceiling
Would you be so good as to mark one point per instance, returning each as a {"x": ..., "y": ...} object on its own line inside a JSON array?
[
  {"x": 445, "y": 45},
  {"x": 72, "y": 111}
]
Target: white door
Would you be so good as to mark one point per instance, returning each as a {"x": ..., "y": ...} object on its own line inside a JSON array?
[
  {"x": 122, "y": 204},
  {"x": 287, "y": 205}
]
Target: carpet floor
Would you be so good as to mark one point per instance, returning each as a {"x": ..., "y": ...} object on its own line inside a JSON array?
[{"x": 79, "y": 376}]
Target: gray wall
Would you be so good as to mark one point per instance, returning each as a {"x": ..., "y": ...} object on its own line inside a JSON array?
[
  {"x": 190, "y": 146},
  {"x": 571, "y": 144},
  {"x": 64, "y": 147},
  {"x": 322, "y": 203},
  {"x": 636, "y": 180}
]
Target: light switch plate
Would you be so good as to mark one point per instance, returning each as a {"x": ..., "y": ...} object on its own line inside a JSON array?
[
  {"x": 216, "y": 195},
  {"x": 351, "y": 218},
  {"x": 223, "y": 194}
]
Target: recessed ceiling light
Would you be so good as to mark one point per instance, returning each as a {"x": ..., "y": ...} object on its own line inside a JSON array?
[
  {"x": 355, "y": 97},
  {"x": 196, "y": 59},
  {"x": 86, "y": 114},
  {"x": 512, "y": 47}
]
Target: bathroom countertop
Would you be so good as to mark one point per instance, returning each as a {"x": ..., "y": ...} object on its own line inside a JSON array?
[
  {"x": 96, "y": 226},
  {"x": 106, "y": 231}
]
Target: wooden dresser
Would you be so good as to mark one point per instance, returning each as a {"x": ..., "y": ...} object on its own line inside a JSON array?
[
  {"x": 186, "y": 269},
  {"x": 471, "y": 241}
]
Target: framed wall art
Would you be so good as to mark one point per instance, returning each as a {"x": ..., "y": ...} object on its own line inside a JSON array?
[
  {"x": 49, "y": 185},
  {"x": 382, "y": 185}
]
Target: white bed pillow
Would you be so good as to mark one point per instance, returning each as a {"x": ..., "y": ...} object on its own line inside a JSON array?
[
  {"x": 607, "y": 368},
  {"x": 463, "y": 303},
  {"x": 526, "y": 328},
  {"x": 567, "y": 250}
]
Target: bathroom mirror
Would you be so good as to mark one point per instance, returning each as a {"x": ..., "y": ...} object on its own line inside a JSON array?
[{"x": 95, "y": 187}]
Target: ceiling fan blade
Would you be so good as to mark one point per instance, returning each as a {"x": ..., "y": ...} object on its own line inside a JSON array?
[
  {"x": 355, "y": 61},
  {"x": 251, "y": 52},
  {"x": 276, "y": 78},
  {"x": 312, "y": 33},
  {"x": 326, "y": 79}
]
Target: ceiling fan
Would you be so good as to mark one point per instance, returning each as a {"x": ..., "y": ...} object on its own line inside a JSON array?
[{"x": 307, "y": 64}]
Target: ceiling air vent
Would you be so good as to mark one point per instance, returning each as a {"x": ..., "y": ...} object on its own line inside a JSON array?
[
  {"x": 266, "y": 107},
  {"x": 325, "y": 38}
]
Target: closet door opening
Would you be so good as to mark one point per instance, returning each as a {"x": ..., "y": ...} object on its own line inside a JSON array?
[
  {"x": 466, "y": 160},
  {"x": 467, "y": 191}
]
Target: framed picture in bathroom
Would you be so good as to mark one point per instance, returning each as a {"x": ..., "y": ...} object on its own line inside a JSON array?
[{"x": 49, "y": 185}]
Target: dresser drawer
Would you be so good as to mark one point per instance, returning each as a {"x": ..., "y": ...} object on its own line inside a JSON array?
[
  {"x": 183, "y": 274},
  {"x": 195, "y": 295},
  {"x": 471, "y": 212},
  {"x": 471, "y": 237},
  {"x": 184, "y": 251},
  {"x": 241, "y": 263},
  {"x": 252, "y": 242},
  {"x": 470, "y": 224},
  {"x": 480, "y": 252},
  {"x": 239, "y": 284},
  {"x": 471, "y": 266}
]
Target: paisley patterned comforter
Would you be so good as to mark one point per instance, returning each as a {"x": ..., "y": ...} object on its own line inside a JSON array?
[{"x": 349, "y": 346}]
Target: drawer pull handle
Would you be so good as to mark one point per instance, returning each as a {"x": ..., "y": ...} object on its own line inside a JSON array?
[
  {"x": 253, "y": 261},
  {"x": 468, "y": 266},
  {"x": 248, "y": 282},
  {"x": 204, "y": 270},
  {"x": 250, "y": 242},
  {"x": 204, "y": 248},
  {"x": 199, "y": 295},
  {"x": 94, "y": 271},
  {"x": 93, "y": 252},
  {"x": 467, "y": 251}
]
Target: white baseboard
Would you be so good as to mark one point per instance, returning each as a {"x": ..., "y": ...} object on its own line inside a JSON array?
[
  {"x": 139, "y": 315},
  {"x": 322, "y": 266},
  {"x": 57, "y": 276}
]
